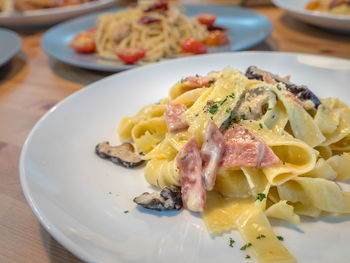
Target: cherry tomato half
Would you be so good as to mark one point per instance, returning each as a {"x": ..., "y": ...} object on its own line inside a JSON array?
[
  {"x": 131, "y": 55},
  {"x": 216, "y": 38},
  {"x": 84, "y": 42},
  {"x": 206, "y": 19},
  {"x": 191, "y": 45}
]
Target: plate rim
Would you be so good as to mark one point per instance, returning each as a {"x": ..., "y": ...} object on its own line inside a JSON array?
[
  {"x": 17, "y": 44},
  {"x": 315, "y": 14},
  {"x": 106, "y": 68},
  {"x": 49, "y": 227}
]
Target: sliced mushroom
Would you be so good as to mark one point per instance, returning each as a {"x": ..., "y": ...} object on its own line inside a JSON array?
[
  {"x": 252, "y": 105},
  {"x": 123, "y": 154},
  {"x": 168, "y": 199},
  {"x": 301, "y": 92}
]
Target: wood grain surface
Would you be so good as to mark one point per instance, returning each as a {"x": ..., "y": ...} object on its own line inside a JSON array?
[{"x": 32, "y": 83}]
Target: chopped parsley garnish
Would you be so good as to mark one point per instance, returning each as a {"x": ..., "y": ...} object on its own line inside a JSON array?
[
  {"x": 247, "y": 256},
  {"x": 246, "y": 130},
  {"x": 339, "y": 154},
  {"x": 210, "y": 82},
  {"x": 213, "y": 109},
  {"x": 141, "y": 153},
  {"x": 278, "y": 87},
  {"x": 243, "y": 117},
  {"x": 260, "y": 236},
  {"x": 197, "y": 75},
  {"x": 250, "y": 109},
  {"x": 246, "y": 246},
  {"x": 253, "y": 138},
  {"x": 222, "y": 102},
  {"x": 280, "y": 238},
  {"x": 260, "y": 125},
  {"x": 126, "y": 211},
  {"x": 284, "y": 163},
  {"x": 211, "y": 117},
  {"x": 236, "y": 118},
  {"x": 231, "y": 242},
  {"x": 196, "y": 115},
  {"x": 269, "y": 108},
  {"x": 232, "y": 95},
  {"x": 260, "y": 196},
  {"x": 228, "y": 110},
  {"x": 182, "y": 80},
  {"x": 273, "y": 116}
]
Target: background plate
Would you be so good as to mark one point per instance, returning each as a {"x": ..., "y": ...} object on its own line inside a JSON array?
[
  {"x": 80, "y": 198},
  {"x": 246, "y": 29},
  {"x": 52, "y": 15},
  {"x": 296, "y": 8},
  {"x": 10, "y": 45}
]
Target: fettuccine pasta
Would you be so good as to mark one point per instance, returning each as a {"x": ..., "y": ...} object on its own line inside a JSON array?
[{"x": 245, "y": 148}]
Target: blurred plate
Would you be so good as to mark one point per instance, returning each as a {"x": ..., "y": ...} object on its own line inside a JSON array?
[
  {"x": 10, "y": 44},
  {"x": 80, "y": 198},
  {"x": 297, "y": 9},
  {"x": 245, "y": 29},
  {"x": 51, "y": 15}
]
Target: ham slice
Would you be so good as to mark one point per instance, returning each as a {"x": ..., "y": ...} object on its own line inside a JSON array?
[
  {"x": 202, "y": 81},
  {"x": 212, "y": 151},
  {"x": 189, "y": 163},
  {"x": 174, "y": 117},
  {"x": 245, "y": 149}
]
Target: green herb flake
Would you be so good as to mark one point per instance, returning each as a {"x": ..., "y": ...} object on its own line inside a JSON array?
[
  {"x": 261, "y": 126},
  {"x": 273, "y": 116},
  {"x": 196, "y": 115},
  {"x": 260, "y": 196},
  {"x": 250, "y": 109},
  {"x": 340, "y": 154},
  {"x": 260, "y": 236},
  {"x": 280, "y": 238},
  {"x": 222, "y": 102},
  {"x": 269, "y": 108},
  {"x": 246, "y": 130},
  {"x": 213, "y": 109},
  {"x": 211, "y": 117},
  {"x": 141, "y": 153},
  {"x": 278, "y": 87},
  {"x": 210, "y": 82},
  {"x": 126, "y": 211},
  {"x": 231, "y": 95},
  {"x": 182, "y": 80},
  {"x": 284, "y": 163},
  {"x": 247, "y": 256},
  {"x": 197, "y": 75},
  {"x": 231, "y": 242},
  {"x": 246, "y": 246},
  {"x": 253, "y": 138},
  {"x": 236, "y": 118},
  {"x": 228, "y": 110},
  {"x": 243, "y": 117}
]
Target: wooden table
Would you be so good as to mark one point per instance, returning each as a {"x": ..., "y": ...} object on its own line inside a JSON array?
[{"x": 32, "y": 83}]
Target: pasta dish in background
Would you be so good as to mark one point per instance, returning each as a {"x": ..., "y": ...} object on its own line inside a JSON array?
[
  {"x": 11, "y": 6},
  {"x": 336, "y": 7},
  {"x": 149, "y": 31},
  {"x": 241, "y": 148}
]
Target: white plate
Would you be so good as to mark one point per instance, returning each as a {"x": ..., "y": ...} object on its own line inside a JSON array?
[
  {"x": 51, "y": 15},
  {"x": 296, "y": 8},
  {"x": 80, "y": 198}
]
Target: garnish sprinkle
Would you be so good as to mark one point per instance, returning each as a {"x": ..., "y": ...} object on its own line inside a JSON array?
[
  {"x": 231, "y": 242},
  {"x": 126, "y": 211},
  {"x": 250, "y": 109},
  {"x": 260, "y": 196},
  {"x": 260, "y": 236},
  {"x": 247, "y": 256},
  {"x": 228, "y": 110},
  {"x": 280, "y": 238},
  {"x": 246, "y": 246},
  {"x": 260, "y": 125},
  {"x": 213, "y": 109},
  {"x": 278, "y": 87},
  {"x": 210, "y": 82}
]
